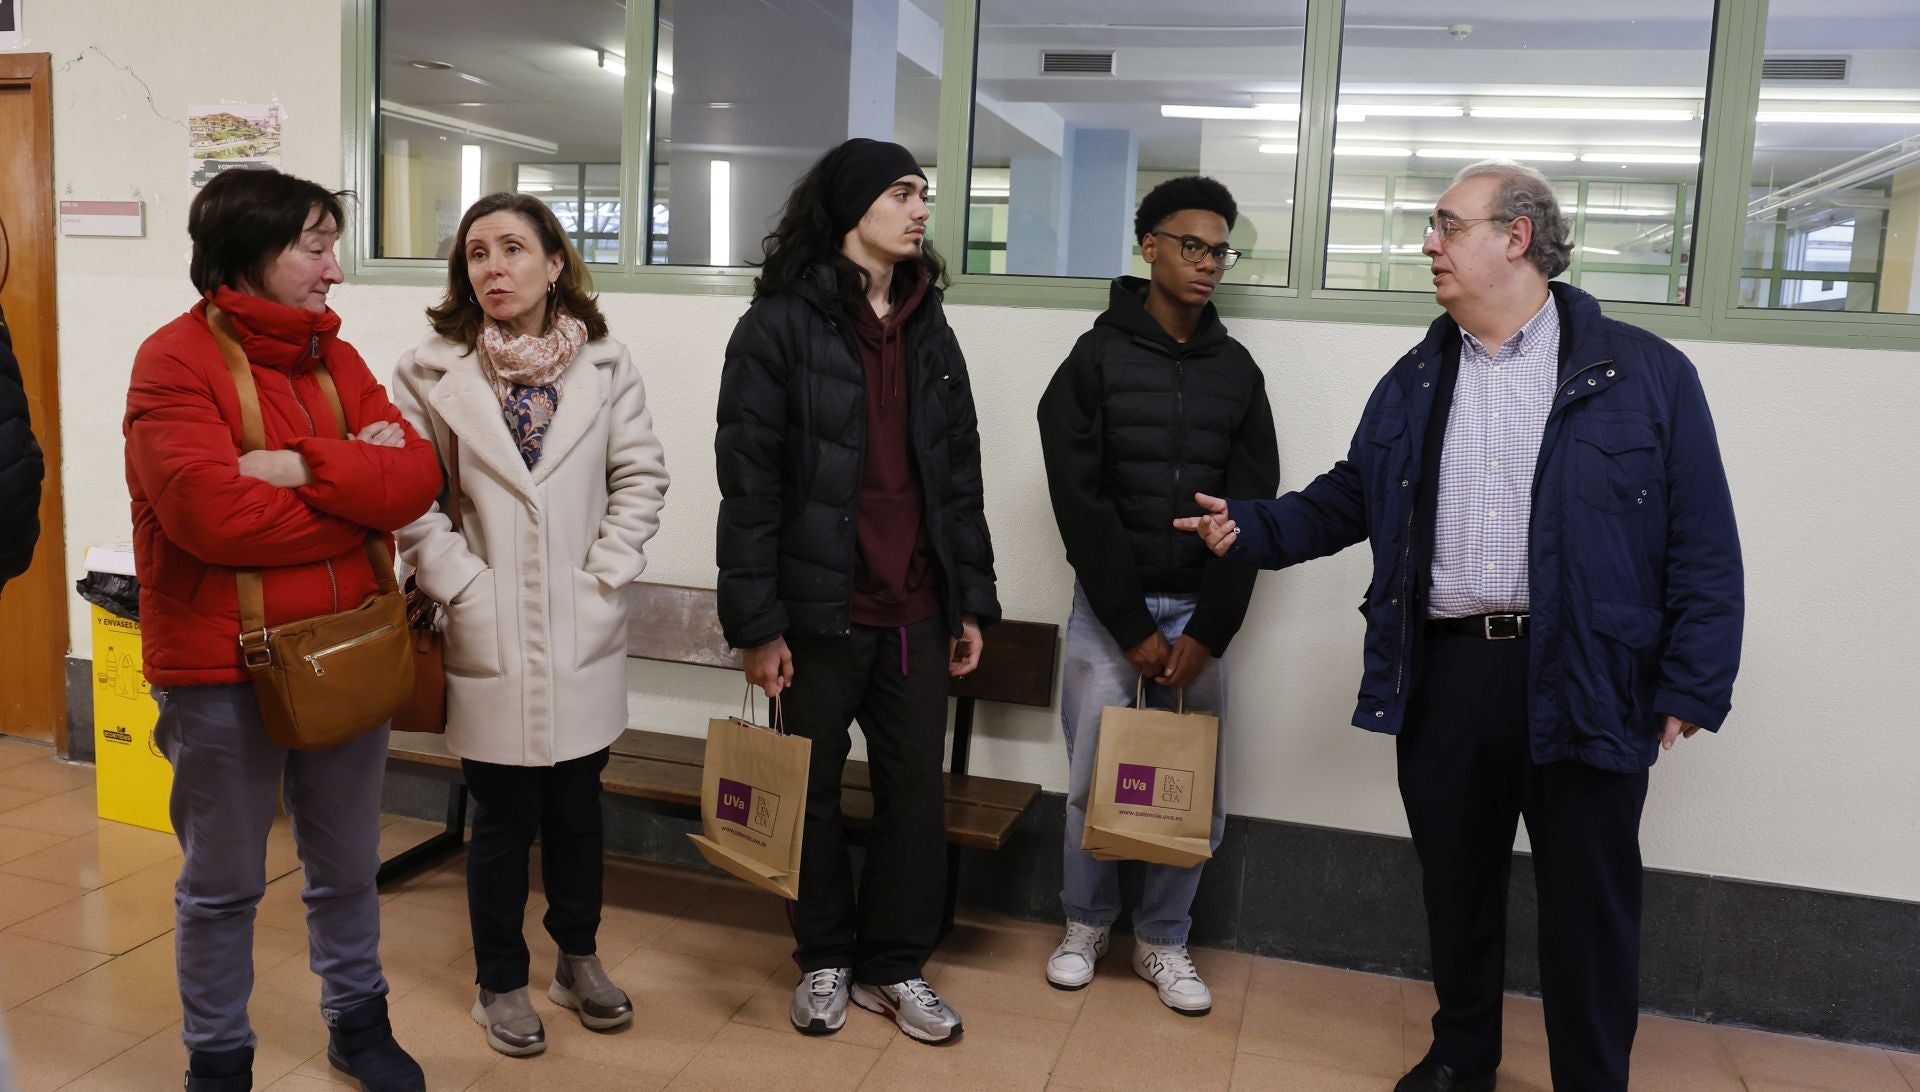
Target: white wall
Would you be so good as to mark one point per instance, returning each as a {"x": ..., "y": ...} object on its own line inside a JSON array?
[{"x": 1814, "y": 782}]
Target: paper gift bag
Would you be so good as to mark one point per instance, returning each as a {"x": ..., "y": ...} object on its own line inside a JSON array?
[
  {"x": 1152, "y": 793},
  {"x": 753, "y": 799}
]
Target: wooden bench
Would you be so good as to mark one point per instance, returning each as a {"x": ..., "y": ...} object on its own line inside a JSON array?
[{"x": 673, "y": 624}]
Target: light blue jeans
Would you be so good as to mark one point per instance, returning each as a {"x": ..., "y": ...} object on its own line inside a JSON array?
[{"x": 1098, "y": 675}]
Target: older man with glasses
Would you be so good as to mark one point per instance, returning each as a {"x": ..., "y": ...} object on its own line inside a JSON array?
[{"x": 1556, "y": 596}]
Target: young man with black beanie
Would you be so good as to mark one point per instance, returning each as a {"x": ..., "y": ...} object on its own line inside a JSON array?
[
  {"x": 855, "y": 567},
  {"x": 1153, "y": 401}
]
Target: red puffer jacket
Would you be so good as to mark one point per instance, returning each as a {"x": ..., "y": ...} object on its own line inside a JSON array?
[{"x": 195, "y": 517}]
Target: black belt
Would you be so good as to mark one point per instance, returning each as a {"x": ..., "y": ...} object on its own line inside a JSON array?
[{"x": 1489, "y": 627}]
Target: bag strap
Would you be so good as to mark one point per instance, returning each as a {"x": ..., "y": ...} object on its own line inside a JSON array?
[
  {"x": 253, "y": 437},
  {"x": 453, "y": 480}
]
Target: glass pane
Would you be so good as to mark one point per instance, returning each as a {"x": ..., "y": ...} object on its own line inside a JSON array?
[
  {"x": 1631, "y": 287},
  {"x": 1080, "y": 109},
  {"x": 1608, "y": 106},
  {"x": 463, "y": 115},
  {"x": 749, "y": 94},
  {"x": 1836, "y": 161}
]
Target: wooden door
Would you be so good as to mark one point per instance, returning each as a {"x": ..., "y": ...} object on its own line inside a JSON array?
[{"x": 33, "y": 607}]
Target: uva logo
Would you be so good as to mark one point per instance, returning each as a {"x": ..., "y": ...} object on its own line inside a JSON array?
[
  {"x": 741, "y": 803},
  {"x": 1154, "y": 787}
]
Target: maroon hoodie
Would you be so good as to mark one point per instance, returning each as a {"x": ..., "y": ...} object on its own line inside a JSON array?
[{"x": 894, "y": 577}]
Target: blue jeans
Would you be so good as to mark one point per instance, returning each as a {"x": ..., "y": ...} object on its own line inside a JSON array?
[{"x": 1098, "y": 675}]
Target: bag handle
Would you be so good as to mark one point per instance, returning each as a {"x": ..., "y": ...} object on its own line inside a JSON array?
[
  {"x": 1140, "y": 696},
  {"x": 750, "y": 711},
  {"x": 253, "y": 437}
]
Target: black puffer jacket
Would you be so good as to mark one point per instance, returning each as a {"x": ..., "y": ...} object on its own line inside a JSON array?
[
  {"x": 792, "y": 433},
  {"x": 21, "y": 468},
  {"x": 1133, "y": 425}
]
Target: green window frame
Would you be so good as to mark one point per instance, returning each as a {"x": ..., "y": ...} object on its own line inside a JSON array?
[{"x": 1711, "y": 313}]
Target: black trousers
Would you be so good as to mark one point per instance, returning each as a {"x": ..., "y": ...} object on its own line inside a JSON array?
[
  {"x": 513, "y": 804},
  {"x": 894, "y": 682},
  {"x": 1465, "y": 776}
]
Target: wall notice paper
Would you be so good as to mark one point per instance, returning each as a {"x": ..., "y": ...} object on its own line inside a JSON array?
[
  {"x": 10, "y": 37},
  {"x": 225, "y": 137},
  {"x": 125, "y": 219}
]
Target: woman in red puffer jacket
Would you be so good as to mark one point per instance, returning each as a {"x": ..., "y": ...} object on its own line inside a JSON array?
[{"x": 298, "y": 511}]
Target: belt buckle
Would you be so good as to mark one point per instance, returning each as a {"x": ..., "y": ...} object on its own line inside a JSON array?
[{"x": 1486, "y": 627}]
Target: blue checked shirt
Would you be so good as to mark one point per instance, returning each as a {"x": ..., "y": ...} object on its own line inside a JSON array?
[{"x": 1500, "y": 406}]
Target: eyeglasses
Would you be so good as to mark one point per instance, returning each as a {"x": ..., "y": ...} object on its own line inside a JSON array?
[
  {"x": 1449, "y": 226},
  {"x": 1192, "y": 250}
]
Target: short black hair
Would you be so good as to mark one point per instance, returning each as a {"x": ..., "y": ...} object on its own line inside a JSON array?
[
  {"x": 1186, "y": 192},
  {"x": 246, "y": 216}
]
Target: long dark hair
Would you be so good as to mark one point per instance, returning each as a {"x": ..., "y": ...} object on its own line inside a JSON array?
[
  {"x": 804, "y": 238},
  {"x": 459, "y": 317}
]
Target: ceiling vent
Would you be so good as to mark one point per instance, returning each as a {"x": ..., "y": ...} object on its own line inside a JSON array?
[
  {"x": 1076, "y": 63},
  {"x": 1805, "y": 69}
]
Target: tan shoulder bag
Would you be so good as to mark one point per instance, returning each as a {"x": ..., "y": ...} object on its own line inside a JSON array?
[{"x": 331, "y": 679}]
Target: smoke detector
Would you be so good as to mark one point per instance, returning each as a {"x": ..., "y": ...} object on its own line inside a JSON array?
[{"x": 1460, "y": 30}]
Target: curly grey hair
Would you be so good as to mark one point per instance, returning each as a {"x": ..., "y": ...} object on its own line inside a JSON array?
[{"x": 1526, "y": 192}]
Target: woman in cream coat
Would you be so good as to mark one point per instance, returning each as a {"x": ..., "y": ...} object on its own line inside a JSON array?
[{"x": 544, "y": 420}]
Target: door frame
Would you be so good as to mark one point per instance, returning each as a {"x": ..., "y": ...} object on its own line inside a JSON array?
[{"x": 28, "y": 281}]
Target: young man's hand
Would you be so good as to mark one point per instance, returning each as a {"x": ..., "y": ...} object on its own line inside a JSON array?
[
  {"x": 770, "y": 666},
  {"x": 1149, "y": 657},
  {"x": 1184, "y": 664},
  {"x": 963, "y": 652}
]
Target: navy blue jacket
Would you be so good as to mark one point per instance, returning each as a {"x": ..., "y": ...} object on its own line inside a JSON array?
[{"x": 1634, "y": 560}]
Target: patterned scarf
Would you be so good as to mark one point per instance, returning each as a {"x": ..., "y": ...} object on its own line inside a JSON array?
[{"x": 524, "y": 371}]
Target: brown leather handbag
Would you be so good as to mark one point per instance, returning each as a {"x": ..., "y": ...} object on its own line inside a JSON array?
[
  {"x": 426, "y": 710},
  {"x": 331, "y": 679}
]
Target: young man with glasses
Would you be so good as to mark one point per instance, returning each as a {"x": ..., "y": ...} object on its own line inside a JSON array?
[
  {"x": 1557, "y": 595},
  {"x": 1155, "y": 403}
]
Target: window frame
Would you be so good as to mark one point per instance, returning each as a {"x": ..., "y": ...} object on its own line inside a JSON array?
[{"x": 1711, "y": 313}]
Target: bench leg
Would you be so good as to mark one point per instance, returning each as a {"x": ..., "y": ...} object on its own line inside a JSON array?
[{"x": 441, "y": 845}]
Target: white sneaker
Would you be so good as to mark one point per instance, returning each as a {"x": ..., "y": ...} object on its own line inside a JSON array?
[
  {"x": 1171, "y": 969},
  {"x": 1071, "y": 965}
]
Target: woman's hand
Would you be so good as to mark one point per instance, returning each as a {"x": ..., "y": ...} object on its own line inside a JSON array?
[
  {"x": 283, "y": 468},
  {"x": 770, "y": 667},
  {"x": 963, "y": 652},
  {"x": 383, "y": 434}
]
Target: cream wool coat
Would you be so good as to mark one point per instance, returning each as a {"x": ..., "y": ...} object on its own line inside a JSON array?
[{"x": 534, "y": 585}]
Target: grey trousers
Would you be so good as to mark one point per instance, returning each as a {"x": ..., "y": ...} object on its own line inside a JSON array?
[{"x": 226, "y": 777}]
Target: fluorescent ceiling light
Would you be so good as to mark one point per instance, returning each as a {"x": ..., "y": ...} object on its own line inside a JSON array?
[
  {"x": 1624, "y": 158},
  {"x": 663, "y": 83},
  {"x": 1380, "y": 153},
  {"x": 1268, "y": 111},
  {"x": 462, "y": 127},
  {"x": 1495, "y": 153},
  {"x": 720, "y": 213},
  {"x": 1361, "y": 112},
  {"x": 537, "y": 187},
  {"x": 1598, "y": 250},
  {"x": 1371, "y": 248},
  {"x": 612, "y": 62},
  {"x": 1630, "y": 212},
  {"x": 1836, "y": 117},
  {"x": 469, "y": 175},
  {"x": 1278, "y": 149},
  {"x": 1582, "y": 113}
]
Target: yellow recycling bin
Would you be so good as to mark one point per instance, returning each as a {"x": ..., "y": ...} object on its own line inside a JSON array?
[{"x": 132, "y": 777}]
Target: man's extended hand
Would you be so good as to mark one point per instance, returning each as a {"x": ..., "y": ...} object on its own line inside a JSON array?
[
  {"x": 963, "y": 652},
  {"x": 1184, "y": 664},
  {"x": 1676, "y": 729},
  {"x": 770, "y": 666},
  {"x": 1214, "y": 528},
  {"x": 1149, "y": 657}
]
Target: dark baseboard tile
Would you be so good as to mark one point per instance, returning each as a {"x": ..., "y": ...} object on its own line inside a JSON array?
[
  {"x": 1796, "y": 960},
  {"x": 79, "y": 710}
]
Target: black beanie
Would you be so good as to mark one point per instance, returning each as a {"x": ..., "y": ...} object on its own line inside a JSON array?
[{"x": 858, "y": 172}]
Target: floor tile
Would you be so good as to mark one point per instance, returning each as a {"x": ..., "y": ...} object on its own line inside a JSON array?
[
  {"x": 70, "y": 813},
  {"x": 49, "y": 775},
  {"x": 1681, "y": 1056},
  {"x": 1260, "y": 1073},
  {"x": 1125, "y": 1036},
  {"x": 154, "y": 1064},
  {"x": 997, "y": 1051},
  {"x": 98, "y": 857},
  {"x": 49, "y": 1052},
  {"x": 1002, "y": 965},
  {"x": 1760, "y": 1056},
  {"x": 733, "y": 923},
  {"x": 1338, "y": 1020},
  {"x": 15, "y": 751},
  {"x": 116, "y": 918},
  {"x": 741, "y": 1057},
  {"x": 680, "y": 1002},
  {"x": 555, "y": 1073},
  {"x": 28, "y": 898},
  {"x": 1908, "y": 1065},
  {"x": 12, "y": 799},
  {"x": 16, "y": 842},
  {"x": 29, "y": 968},
  {"x": 137, "y": 993}
]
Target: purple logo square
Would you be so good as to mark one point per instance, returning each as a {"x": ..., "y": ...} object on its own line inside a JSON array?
[
  {"x": 1135, "y": 786},
  {"x": 732, "y": 805}
]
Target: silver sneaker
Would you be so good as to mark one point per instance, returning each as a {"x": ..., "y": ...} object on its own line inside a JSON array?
[
  {"x": 1172, "y": 972},
  {"x": 580, "y": 983},
  {"x": 913, "y": 1006},
  {"x": 1072, "y": 963},
  {"x": 820, "y": 1001},
  {"x": 513, "y": 1028}
]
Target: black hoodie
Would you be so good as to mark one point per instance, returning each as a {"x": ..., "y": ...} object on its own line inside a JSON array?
[
  {"x": 20, "y": 468},
  {"x": 1133, "y": 425}
]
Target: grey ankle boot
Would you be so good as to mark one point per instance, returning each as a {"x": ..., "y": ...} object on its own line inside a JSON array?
[
  {"x": 513, "y": 1028},
  {"x": 580, "y": 983}
]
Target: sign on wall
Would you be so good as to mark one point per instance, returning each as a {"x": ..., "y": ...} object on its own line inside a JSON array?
[
  {"x": 10, "y": 37},
  {"x": 224, "y": 137}
]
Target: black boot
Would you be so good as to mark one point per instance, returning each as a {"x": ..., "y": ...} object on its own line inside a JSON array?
[
  {"x": 220, "y": 1070},
  {"x": 360, "y": 1044}
]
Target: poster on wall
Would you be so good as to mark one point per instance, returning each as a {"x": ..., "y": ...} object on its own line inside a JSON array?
[
  {"x": 226, "y": 137},
  {"x": 10, "y": 24}
]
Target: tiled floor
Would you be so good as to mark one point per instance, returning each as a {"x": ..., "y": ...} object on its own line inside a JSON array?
[{"x": 86, "y": 982}]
